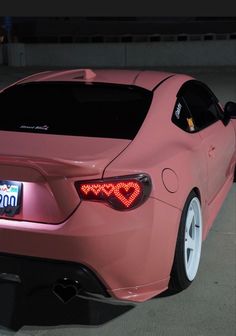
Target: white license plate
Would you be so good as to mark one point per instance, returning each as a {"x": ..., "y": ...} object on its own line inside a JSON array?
[{"x": 10, "y": 197}]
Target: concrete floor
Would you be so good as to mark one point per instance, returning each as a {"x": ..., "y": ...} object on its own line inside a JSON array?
[{"x": 206, "y": 308}]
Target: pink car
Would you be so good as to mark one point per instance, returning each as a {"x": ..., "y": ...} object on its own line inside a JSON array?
[{"x": 110, "y": 180}]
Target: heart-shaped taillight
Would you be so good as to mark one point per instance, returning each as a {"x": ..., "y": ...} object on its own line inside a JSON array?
[
  {"x": 122, "y": 193},
  {"x": 127, "y": 192}
]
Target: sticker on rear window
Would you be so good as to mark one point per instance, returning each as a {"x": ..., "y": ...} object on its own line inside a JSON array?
[
  {"x": 190, "y": 124},
  {"x": 40, "y": 128},
  {"x": 178, "y": 110}
]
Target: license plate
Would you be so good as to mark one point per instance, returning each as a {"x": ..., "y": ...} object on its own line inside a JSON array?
[{"x": 10, "y": 197}]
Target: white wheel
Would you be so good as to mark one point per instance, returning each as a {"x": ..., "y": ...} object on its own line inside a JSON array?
[
  {"x": 188, "y": 245},
  {"x": 193, "y": 238}
]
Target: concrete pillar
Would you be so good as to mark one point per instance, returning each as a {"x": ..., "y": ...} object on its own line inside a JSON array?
[
  {"x": 16, "y": 54},
  {"x": 1, "y": 55}
]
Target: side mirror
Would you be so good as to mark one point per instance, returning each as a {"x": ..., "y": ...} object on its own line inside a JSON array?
[{"x": 230, "y": 110}]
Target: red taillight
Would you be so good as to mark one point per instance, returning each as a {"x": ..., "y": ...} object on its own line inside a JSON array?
[
  {"x": 122, "y": 193},
  {"x": 125, "y": 192}
]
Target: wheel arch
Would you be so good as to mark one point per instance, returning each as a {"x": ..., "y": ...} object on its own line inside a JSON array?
[{"x": 197, "y": 192}]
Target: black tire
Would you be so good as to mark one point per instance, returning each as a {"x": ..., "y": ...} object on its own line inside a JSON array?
[{"x": 179, "y": 279}]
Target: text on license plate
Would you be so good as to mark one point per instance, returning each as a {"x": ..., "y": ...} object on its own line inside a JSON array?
[{"x": 9, "y": 193}]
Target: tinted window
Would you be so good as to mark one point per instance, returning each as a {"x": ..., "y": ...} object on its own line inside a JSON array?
[
  {"x": 94, "y": 110},
  {"x": 201, "y": 103}
]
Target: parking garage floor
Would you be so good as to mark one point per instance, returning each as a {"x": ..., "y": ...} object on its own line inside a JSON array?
[{"x": 206, "y": 308}]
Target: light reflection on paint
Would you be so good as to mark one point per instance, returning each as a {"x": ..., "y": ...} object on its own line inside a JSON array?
[{"x": 37, "y": 203}]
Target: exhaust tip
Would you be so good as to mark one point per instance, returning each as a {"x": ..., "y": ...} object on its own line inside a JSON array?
[{"x": 66, "y": 289}]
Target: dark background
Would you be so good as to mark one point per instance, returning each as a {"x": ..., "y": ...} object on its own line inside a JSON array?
[{"x": 87, "y": 29}]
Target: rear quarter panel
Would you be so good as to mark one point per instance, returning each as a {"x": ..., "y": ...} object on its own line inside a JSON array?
[{"x": 160, "y": 145}]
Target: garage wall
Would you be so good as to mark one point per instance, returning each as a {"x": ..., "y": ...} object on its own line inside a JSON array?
[
  {"x": 148, "y": 54},
  {"x": 192, "y": 53},
  {"x": 94, "y": 54}
]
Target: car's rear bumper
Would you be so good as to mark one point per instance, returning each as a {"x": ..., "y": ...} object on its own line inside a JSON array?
[
  {"x": 23, "y": 280},
  {"x": 131, "y": 253},
  {"x": 34, "y": 273}
]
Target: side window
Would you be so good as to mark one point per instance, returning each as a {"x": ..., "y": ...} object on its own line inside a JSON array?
[
  {"x": 181, "y": 116},
  {"x": 201, "y": 102}
]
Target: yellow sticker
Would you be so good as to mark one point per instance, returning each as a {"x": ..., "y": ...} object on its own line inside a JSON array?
[{"x": 190, "y": 124}]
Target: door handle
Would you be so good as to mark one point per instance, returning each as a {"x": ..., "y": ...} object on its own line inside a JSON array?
[{"x": 211, "y": 151}]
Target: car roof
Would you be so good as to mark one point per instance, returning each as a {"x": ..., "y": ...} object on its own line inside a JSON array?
[{"x": 143, "y": 78}]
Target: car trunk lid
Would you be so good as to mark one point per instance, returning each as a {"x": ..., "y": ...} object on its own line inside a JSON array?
[{"x": 48, "y": 168}]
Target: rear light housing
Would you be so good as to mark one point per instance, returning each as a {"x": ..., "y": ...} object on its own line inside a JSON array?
[{"x": 121, "y": 192}]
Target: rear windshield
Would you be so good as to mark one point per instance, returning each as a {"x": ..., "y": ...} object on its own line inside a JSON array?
[{"x": 93, "y": 110}]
